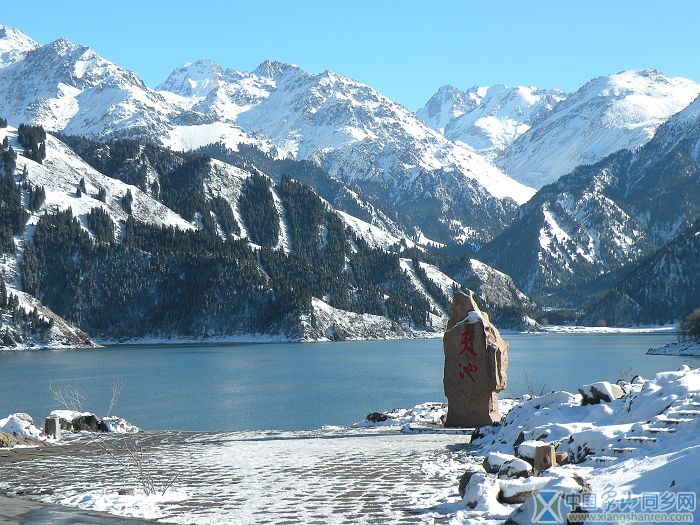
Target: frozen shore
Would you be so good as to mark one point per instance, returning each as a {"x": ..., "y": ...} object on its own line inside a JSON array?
[{"x": 682, "y": 348}]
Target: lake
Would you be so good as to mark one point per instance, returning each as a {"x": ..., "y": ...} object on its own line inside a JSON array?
[{"x": 291, "y": 386}]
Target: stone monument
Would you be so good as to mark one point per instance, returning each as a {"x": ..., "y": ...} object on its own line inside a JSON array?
[{"x": 476, "y": 359}]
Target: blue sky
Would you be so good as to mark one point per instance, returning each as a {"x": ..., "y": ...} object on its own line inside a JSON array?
[{"x": 405, "y": 49}]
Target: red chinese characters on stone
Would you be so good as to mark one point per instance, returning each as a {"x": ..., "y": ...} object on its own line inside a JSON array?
[
  {"x": 468, "y": 369},
  {"x": 466, "y": 342}
]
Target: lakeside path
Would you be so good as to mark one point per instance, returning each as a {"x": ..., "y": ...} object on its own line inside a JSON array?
[
  {"x": 331, "y": 476},
  {"x": 16, "y": 511}
]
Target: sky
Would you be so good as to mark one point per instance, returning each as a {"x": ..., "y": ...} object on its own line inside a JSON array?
[{"x": 406, "y": 49}]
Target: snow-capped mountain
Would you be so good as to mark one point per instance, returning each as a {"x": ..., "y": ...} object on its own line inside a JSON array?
[
  {"x": 602, "y": 217},
  {"x": 13, "y": 45},
  {"x": 447, "y": 104},
  {"x": 568, "y": 234},
  {"x": 66, "y": 87},
  {"x": 488, "y": 118},
  {"x": 351, "y": 130},
  {"x": 609, "y": 113},
  {"x": 360, "y": 137}
]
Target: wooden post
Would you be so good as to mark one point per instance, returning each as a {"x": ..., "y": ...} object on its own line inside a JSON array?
[{"x": 545, "y": 457}]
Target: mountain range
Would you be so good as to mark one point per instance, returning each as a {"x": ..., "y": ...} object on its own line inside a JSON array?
[{"x": 567, "y": 193}]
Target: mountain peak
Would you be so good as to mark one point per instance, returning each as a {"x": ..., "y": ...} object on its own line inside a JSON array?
[
  {"x": 272, "y": 69},
  {"x": 14, "y": 44},
  {"x": 195, "y": 79}
]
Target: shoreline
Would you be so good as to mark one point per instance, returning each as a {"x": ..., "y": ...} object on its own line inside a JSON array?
[{"x": 277, "y": 339}]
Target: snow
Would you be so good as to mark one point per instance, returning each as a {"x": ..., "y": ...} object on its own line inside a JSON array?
[
  {"x": 620, "y": 111},
  {"x": 21, "y": 425},
  {"x": 375, "y": 236},
  {"x": 332, "y": 324},
  {"x": 688, "y": 348},
  {"x": 648, "y": 441},
  {"x": 140, "y": 504},
  {"x": 565, "y": 329},
  {"x": 14, "y": 45},
  {"x": 69, "y": 415},
  {"x": 488, "y": 118}
]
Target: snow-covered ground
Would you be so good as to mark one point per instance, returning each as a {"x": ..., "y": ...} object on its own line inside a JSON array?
[
  {"x": 634, "y": 454},
  {"x": 637, "y": 453},
  {"x": 689, "y": 348}
]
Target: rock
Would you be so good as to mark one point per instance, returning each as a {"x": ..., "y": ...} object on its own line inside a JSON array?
[
  {"x": 519, "y": 490},
  {"x": 87, "y": 423},
  {"x": 8, "y": 440},
  {"x": 562, "y": 458},
  {"x": 464, "y": 481},
  {"x": 476, "y": 359},
  {"x": 527, "y": 449},
  {"x": 376, "y": 417},
  {"x": 117, "y": 425},
  {"x": 492, "y": 463},
  {"x": 126, "y": 492},
  {"x": 515, "y": 468},
  {"x": 52, "y": 427},
  {"x": 480, "y": 490},
  {"x": 603, "y": 391}
]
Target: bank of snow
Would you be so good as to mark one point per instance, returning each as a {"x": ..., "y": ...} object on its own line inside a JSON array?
[
  {"x": 682, "y": 348},
  {"x": 646, "y": 442}
]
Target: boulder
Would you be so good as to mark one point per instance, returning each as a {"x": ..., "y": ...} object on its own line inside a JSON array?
[
  {"x": 87, "y": 423},
  {"x": 476, "y": 359},
  {"x": 464, "y": 481},
  {"x": 515, "y": 468},
  {"x": 600, "y": 392},
  {"x": 24, "y": 417},
  {"x": 481, "y": 490},
  {"x": 492, "y": 463},
  {"x": 520, "y": 490},
  {"x": 8, "y": 440},
  {"x": 545, "y": 458},
  {"x": 527, "y": 449},
  {"x": 376, "y": 417}
]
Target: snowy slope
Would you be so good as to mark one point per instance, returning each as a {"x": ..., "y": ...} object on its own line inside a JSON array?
[
  {"x": 358, "y": 135},
  {"x": 13, "y": 45},
  {"x": 438, "y": 314},
  {"x": 351, "y": 130},
  {"x": 487, "y": 118},
  {"x": 569, "y": 233},
  {"x": 639, "y": 447},
  {"x": 620, "y": 111},
  {"x": 64, "y": 86},
  {"x": 447, "y": 104}
]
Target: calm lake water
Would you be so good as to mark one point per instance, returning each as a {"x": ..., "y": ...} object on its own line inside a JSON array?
[{"x": 301, "y": 386}]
